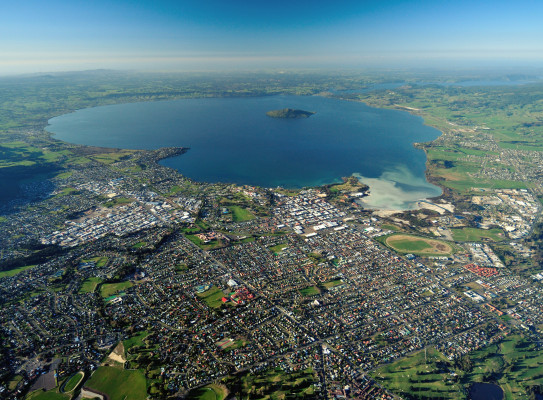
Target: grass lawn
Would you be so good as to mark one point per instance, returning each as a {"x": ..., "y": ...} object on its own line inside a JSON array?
[
  {"x": 13, "y": 272},
  {"x": 310, "y": 291},
  {"x": 136, "y": 340},
  {"x": 278, "y": 248},
  {"x": 73, "y": 382},
  {"x": 180, "y": 268},
  {"x": 477, "y": 235},
  {"x": 110, "y": 158},
  {"x": 204, "y": 246},
  {"x": 50, "y": 395},
  {"x": 212, "y": 297},
  {"x": 64, "y": 175},
  {"x": 175, "y": 189},
  {"x": 418, "y": 245},
  {"x": 517, "y": 363},
  {"x": 90, "y": 285},
  {"x": 66, "y": 192},
  {"x": 420, "y": 376},
  {"x": 109, "y": 289},
  {"x": 193, "y": 229},
  {"x": 119, "y": 383},
  {"x": 275, "y": 384},
  {"x": 99, "y": 261},
  {"x": 117, "y": 201},
  {"x": 139, "y": 245},
  {"x": 390, "y": 227},
  {"x": 240, "y": 214},
  {"x": 209, "y": 392},
  {"x": 288, "y": 192},
  {"x": 14, "y": 382},
  {"x": 333, "y": 283}
]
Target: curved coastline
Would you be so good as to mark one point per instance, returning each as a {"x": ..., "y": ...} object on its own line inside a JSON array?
[{"x": 419, "y": 145}]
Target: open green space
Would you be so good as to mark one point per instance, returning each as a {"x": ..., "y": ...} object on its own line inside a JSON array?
[
  {"x": 332, "y": 283},
  {"x": 136, "y": 340},
  {"x": 310, "y": 291},
  {"x": 288, "y": 192},
  {"x": 139, "y": 245},
  {"x": 273, "y": 384},
  {"x": 278, "y": 248},
  {"x": 64, "y": 175},
  {"x": 192, "y": 229},
  {"x": 391, "y": 227},
  {"x": 466, "y": 186},
  {"x": 240, "y": 214},
  {"x": 119, "y": 384},
  {"x": 109, "y": 289},
  {"x": 73, "y": 382},
  {"x": 238, "y": 343},
  {"x": 317, "y": 258},
  {"x": 66, "y": 191},
  {"x": 90, "y": 284},
  {"x": 418, "y": 245},
  {"x": 14, "y": 382},
  {"x": 209, "y": 392},
  {"x": 98, "y": 261},
  {"x": 112, "y": 157},
  {"x": 15, "y": 271},
  {"x": 420, "y": 376},
  {"x": 20, "y": 154},
  {"x": 50, "y": 395},
  {"x": 180, "y": 268},
  {"x": 212, "y": 297},
  {"x": 507, "y": 116},
  {"x": 477, "y": 235},
  {"x": 212, "y": 244},
  {"x": 117, "y": 201},
  {"x": 515, "y": 364}
]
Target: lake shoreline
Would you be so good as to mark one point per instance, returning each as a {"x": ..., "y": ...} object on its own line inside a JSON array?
[{"x": 334, "y": 126}]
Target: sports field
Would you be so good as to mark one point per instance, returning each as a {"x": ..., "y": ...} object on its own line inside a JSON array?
[
  {"x": 418, "y": 245},
  {"x": 477, "y": 235},
  {"x": 119, "y": 383}
]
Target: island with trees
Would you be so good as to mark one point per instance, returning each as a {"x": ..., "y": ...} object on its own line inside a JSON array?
[{"x": 289, "y": 113}]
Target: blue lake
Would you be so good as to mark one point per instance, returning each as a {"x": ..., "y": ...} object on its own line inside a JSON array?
[
  {"x": 232, "y": 140},
  {"x": 485, "y": 391}
]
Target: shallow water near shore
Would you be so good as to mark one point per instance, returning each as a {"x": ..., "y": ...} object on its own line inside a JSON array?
[{"x": 232, "y": 140}]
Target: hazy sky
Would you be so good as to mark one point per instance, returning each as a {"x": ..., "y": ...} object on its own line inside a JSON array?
[{"x": 52, "y": 35}]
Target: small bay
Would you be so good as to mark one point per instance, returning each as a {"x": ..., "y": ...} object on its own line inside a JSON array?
[{"x": 232, "y": 140}]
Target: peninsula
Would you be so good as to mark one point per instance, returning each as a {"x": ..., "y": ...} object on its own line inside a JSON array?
[{"x": 289, "y": 113}]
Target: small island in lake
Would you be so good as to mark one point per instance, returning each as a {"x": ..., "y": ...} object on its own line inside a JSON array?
[{"x": 289, "y": 113}]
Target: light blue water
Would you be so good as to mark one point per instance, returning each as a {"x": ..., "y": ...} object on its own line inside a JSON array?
[{"x": 232, "y": 140}]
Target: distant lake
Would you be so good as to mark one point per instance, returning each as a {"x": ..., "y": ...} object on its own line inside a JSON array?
[{"x": 232, "y": 140}]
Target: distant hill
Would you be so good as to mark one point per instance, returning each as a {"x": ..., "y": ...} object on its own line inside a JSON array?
[{"x": 289, "y": 113}]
